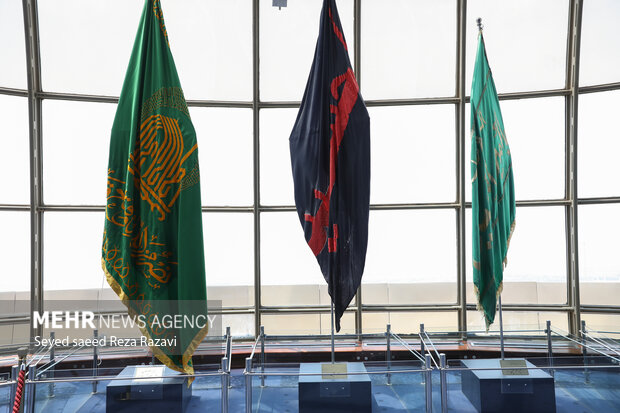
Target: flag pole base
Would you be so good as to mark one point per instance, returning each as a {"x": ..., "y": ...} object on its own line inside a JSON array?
[
  {"x": 501, "y": 328},
  {"x": 333, "y": 345}
]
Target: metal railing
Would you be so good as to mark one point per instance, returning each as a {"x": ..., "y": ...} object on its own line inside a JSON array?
[
  {"x": 432, "y": 362},
  {"x": 45, "y": 373}
]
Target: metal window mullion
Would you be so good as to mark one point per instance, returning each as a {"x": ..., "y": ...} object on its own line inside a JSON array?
[
  {"x": 460, "y": 166},
  {"x": 256, "y": 165},
  {"x": 33, "y": 69},
  {"x": 606, "y": 87},
  {"x": 535, "y": 94},
  {"x": 599, "y": 200},
  {"x": 13, "y": 92},
  {"x": 567, "y": 157},
  {"x": 357, "y": 63},
  {"x": 291, "y": 208},
  {"x": 572, "y": 113},
  {"x": 15, "y": 207}
]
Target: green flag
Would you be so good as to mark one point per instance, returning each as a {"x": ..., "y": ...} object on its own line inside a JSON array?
[
  {"x": 152, "y": 252},
  {"x": 493, "y": 195}
]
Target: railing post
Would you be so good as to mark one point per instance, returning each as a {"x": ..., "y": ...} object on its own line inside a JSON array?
[
  {"x": 428, "y": 383},
  {"x": 422, "y": 347},
  {"x": 52, "y": 358},
  {"x": 584, "y": 351},
  {"x": 550, "y": 348},
  {"x": 248, "y": 385},
  {"x": 388, "y": 352},
  {"x": 31, "y": 389},
  {"x": 262, "y": 356},
  {"x": 14, "y": 377},
  {"x": 228, "y": 354},
  {"x": 95, "y": 359},
  {"x": 444, "y": 383},
  {"x": 225, "y": 385}
]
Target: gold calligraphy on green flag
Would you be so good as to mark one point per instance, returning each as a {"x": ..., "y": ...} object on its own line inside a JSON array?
[
  {"x": 152, "y": 252},
  {"x": 493, "y": 197}
]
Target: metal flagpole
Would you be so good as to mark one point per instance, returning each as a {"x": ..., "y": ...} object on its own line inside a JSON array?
[
  {"x": 501, "y": 322},
  {"x": 333, "y": 348},
  {"x": 501, "y": 328}
]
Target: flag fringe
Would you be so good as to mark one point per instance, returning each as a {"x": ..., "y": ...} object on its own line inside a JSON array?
[
  {"x": 501, "y": 285},
  {"x": 161, "y": 356},
  {"x": 479, "y": 306},
  {"x": 512, "y": 230}
]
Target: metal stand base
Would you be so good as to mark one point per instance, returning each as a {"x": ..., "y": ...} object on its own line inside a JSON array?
[
  {"x": 494, "y": 391},
  {"x": 151, "y": 393},
  {"x": 322, "y": 392}
]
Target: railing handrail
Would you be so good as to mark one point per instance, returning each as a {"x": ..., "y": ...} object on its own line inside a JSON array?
[
  {"x": 600, "y": 342},
  {"x": 59, "y": 360},
  {"x": 433, "y": 346},
  {"x": 254, "y": 347},
  {"x": 411, "y": 349},
  {"x": 116, "y": 378},
  {"x": 555, "y": 367},
  {"x": 553, "y": 329},
  {"x": 351, "y": 373}
]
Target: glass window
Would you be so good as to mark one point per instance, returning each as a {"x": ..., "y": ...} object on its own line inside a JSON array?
[
  {"x": 290, "y": 274},
  {"x": 86, "y": 44},
  {"x": 15, "y": 252},
  {"x": 15, "y": 155},
  {"x": 229, "y": 264},
  {"x": 600, "y": 42},
  {"x": 535, "y": 132},
  {"x": 599, "y": 142},
  {"x": 413, "y": 154},
  {"x": 536, "y": 269},
  {"x": 211, "y": 42},
  {"x": 525, "y": 42},
  {"x": 415, "y": 43},
  {"x": 72, "y": 258},
  {"x": 601, "y": 322},
  {"x": 599, "y": 264},
  {"x": 13, "y": 68},
  {"x": 276, "y": 175},
  {"x": 287, "y": 41},
  {"x": 241, "y": 325},
  {"x": 76, "y": 144},
  {"x": 213, "y": 55},
  {"x": 411, "y": 256},
  {"x": 225, "y": 148},
  {"x": 408, "y": 50},
  {"x": 17, "y": 335},
  {"x": 303, "y": 324},
  {"x": 518, "y": 320},
  {"x": 409, "y": 322}
]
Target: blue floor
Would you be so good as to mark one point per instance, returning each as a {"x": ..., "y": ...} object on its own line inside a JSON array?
[{"x": 576, "y": 392}]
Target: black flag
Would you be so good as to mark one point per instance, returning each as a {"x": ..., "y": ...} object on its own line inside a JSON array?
[{"x": 330, "y": 156}]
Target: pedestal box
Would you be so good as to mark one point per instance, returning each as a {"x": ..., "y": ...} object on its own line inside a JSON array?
[
  {"x": 328, "y": 393},
  {"x": 515, "y": 392},
  {"x": 151, "y": 393}
]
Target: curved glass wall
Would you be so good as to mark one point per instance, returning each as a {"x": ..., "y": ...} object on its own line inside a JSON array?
[{"x": 243, "y": 65}]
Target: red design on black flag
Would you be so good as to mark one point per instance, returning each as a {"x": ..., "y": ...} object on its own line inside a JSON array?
[
  {"x": 348, "y": 97},
  {"x": 337, "y": 31},
  {"x": 330, "y": 158}
]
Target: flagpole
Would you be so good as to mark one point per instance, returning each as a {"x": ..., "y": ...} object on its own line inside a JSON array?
[
  {"x": 501, "y": 321},
  {"x": 333, "y": 348},
  {"x": 501, "y": 328}
]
